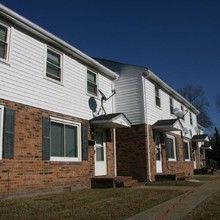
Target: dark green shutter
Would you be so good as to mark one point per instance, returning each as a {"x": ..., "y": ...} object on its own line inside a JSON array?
[
  {"x": 9, "y": 130},
  {"x": 167, "y": 148},
  {"x": 177, "y": 148},
  {"x": 45, "y": 138},
  {"x": 84, "y": 143}
]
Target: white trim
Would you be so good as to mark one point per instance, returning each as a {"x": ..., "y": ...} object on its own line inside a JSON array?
[
  {"x": 97, "y": 83},
  {"x": 1, "y": 129},
  {"x": 186, "y": 141},
  {"x": 174, "y": 147},
  {"x": 79, "y": 148},
  {"x": 61, "y": 65},
  {"x": 8, "y": 42}
]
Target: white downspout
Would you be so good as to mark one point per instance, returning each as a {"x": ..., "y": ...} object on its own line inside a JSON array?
[
  {"x": 146, "y": 75},
  {"x": 114, "y": 132}
]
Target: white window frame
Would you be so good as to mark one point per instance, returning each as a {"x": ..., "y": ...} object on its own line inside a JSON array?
[
  {"x": 7, "y": 42},
  {"x": 79, "y": 148},
  {"x": 61, "y": 65},
  {"x": 1, "y": 129},
  {"x": 171, "y": 105},
  {"x": 157, "y": 90},
  {"x": 97, "y": 83},
  {"x": 187, "y": 142},
  {"x": 190, "y": 118},
  {"x": 174, "y": 147}
]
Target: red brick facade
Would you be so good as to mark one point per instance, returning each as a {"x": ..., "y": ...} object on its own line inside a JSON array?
[
  {"x": 27, "y": 173},
  {"x": 132, "y": 154}
]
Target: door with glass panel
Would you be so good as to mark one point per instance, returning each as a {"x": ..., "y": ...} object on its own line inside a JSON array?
[
  {"x": 100, "y": 154},
  {"x": 158, "y": 154}
]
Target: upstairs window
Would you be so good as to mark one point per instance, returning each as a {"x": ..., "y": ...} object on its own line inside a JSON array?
[
  {"x": 171, "y": 106},
  {"x": 157, "y": 96},
  {"x": 182, "y": 109},
  {"x": 54, "y": 65},
  {"x": 190, "y": 118},
  {"x": 4, "y": 42},
  {"x": 91, "y": 83}
]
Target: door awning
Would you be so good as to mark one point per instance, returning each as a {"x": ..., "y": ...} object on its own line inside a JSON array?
[
  {"x": 201, "y": 138},
  {"x": 168, "y": 125},
  {"x": 114, "y": 120}
]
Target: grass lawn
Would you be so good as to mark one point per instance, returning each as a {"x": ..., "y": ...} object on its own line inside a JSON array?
[{"x": 85, "y": 204}]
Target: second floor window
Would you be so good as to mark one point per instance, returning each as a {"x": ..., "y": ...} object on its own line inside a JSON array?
[
  {"x": 190, "y": 118},
  {"x": 171, "y": 106},
  {"x": 157, "y": 96},
  {"x": 53, "y": 65},
  {"x": 91, "y": 83},
  {"x": 3, "y": 42}
]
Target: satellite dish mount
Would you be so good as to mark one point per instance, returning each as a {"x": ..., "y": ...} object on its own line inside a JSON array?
[{"x": 104, "y": 99}]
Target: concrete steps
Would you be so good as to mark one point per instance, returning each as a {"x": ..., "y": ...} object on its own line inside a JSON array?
[{"x": 113, "y": 182}]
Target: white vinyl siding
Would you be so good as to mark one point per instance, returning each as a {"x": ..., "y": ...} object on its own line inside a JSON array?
[
  {"x": 129, "y": 95},
  {"x": 24, "y": 80},
  {"x": 1, "y": 129}
]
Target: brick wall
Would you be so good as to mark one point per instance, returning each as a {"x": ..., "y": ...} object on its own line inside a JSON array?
[
  {"x": 132, "y": 154},
  {"x": 27, "y": 173}
]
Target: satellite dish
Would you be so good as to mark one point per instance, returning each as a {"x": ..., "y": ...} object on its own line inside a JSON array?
[
  {"x": 178, "y": 113},
  {"x": 197, "y": 130},
  {"x": 185, "y": 131}
]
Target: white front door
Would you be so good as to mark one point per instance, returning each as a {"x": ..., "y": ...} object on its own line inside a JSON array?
[
  {"x": 100, "y": 154},
  {"x": 158, "y": 154},
  {"x": 194, "y": 159}
]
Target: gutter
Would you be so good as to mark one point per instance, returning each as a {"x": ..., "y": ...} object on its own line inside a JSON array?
[
  {"x": 34, "y": 29},
  {"x": 146, "y": 75}
]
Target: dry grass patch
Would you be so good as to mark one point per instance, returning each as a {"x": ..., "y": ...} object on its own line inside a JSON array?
[{"x": 85, "y": 204}]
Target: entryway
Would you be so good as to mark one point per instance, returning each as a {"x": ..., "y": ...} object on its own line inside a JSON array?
[
  {"x": 100, "y": 154},
  {"x": 158, "y": 154}
]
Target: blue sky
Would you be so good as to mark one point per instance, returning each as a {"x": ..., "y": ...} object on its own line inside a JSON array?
[{"x": 179, "y": 40}]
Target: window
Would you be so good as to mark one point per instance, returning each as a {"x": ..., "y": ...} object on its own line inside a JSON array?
[
  {"x": 157, "y": 96},
  {"x": 54, "y": 65},
  {"x": 190, "y": 118},
  {"x": 170, "y": 148},
  {"x": 171, "y": 106},
  {"x": 4, "y": 42},
  {"x": 91, "y": 83},
  {"x": 186, "y": 150},
  {"x": 182, "y": 109},
  {"x": 65, "y": 140},
  {"x": 1, "y": 129}
]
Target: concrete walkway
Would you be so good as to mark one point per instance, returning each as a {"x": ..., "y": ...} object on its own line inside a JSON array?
[{"x": 180, "y": 206}]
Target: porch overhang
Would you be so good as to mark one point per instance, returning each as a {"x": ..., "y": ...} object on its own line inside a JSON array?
[
  {"x": 168, "y": 125},
  {"x": 201, "y": 138},
  {"x": 114, "y": 120},
  {"x": 206, "y": 146}
]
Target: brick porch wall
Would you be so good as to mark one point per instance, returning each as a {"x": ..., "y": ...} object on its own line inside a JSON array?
[
  {"x": 131, "y": 152},
  {"x": 27, "y": 173},
  {"x": 132, "y": 155}
]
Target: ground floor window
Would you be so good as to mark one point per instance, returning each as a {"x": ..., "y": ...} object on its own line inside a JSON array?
[
  {"x": 65, "y": 139},
  {"x": 186, "y": 150},
  {"x": 171, "y": 148},
  {"x": 1, "y": 129}
]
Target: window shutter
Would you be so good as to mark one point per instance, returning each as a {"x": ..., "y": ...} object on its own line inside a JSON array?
[
  {"x": 84, "y": 143},
  {"x": 184, "y": 151},
  {"x": 9, "y": 128},
  {"x": 45, "y": 138},
  {"x": 177, "y": 148},
  {"x": 190, "y": 150},
  {"x": 167, "y": 148}
]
